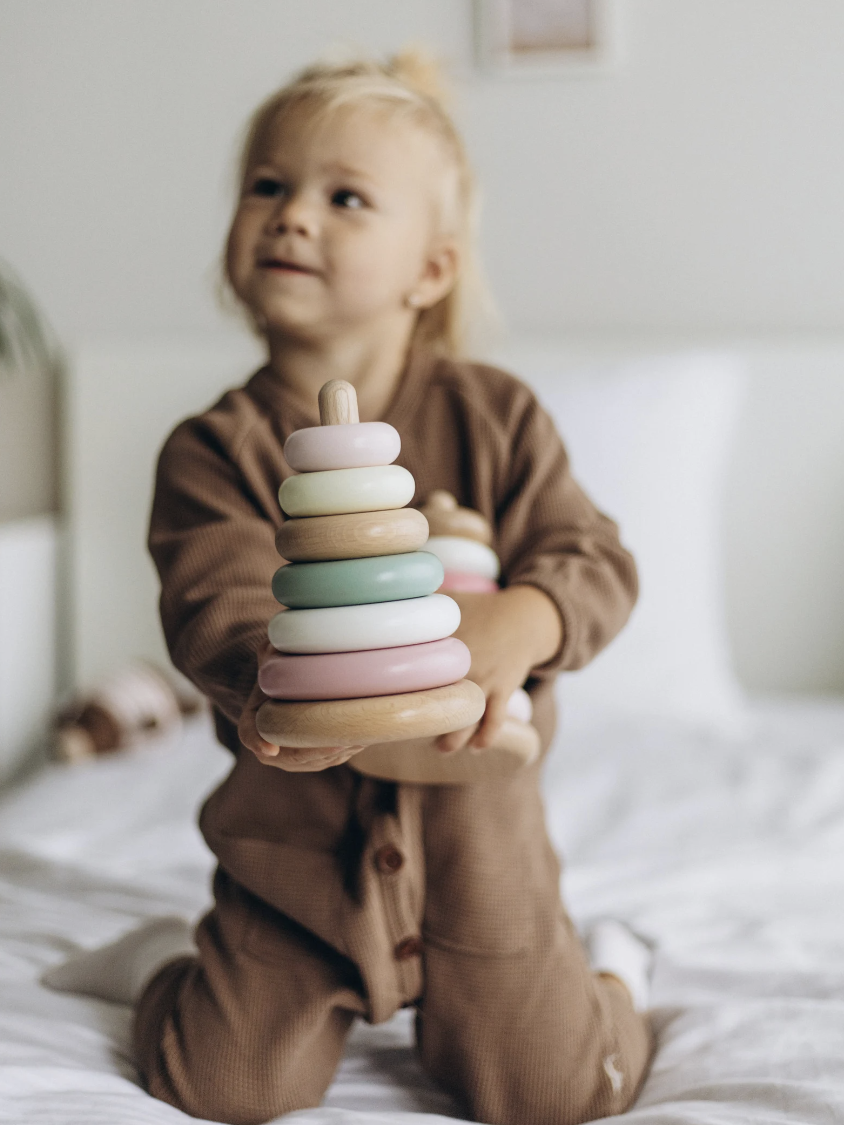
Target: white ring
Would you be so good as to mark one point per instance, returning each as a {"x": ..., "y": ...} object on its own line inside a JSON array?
[
  {"x": 355, "y": 628},
  {"x": 520, "y": 705},
  {"x": 464, "y": 555},
  {"x": 341, "y": 491}
]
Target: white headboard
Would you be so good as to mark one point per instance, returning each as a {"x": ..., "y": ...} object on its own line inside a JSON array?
[{"x": 784, "y": 512}]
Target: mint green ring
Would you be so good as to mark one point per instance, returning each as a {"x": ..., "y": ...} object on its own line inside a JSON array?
[{"x": 384, "y": 578}]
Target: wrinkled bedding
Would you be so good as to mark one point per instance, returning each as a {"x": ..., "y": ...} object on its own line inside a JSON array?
[{"x": 725, "y": 851}]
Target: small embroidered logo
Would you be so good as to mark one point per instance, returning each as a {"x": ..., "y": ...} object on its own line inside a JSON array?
[{"x": 613, "y": 1073}]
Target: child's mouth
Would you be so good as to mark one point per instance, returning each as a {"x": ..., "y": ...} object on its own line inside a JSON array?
[{"x": 281, "y": 266}]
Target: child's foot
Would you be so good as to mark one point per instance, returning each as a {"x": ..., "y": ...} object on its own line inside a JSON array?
[
  {"x": 618, "y": 952},
  {"x": 120, "y": 971}
]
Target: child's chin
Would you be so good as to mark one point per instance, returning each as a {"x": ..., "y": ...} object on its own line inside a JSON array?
[{"x": 291, "y": 320}]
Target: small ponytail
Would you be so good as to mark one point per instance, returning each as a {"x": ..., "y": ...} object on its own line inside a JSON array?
[{"x": 421, "y": 72}]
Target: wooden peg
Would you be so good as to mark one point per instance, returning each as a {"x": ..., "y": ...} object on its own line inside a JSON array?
[
  {"x": 338, "y": 403},
  {"x": 354, "y": 536},
  {"x": 441, "y": 501},
  {"x": 446, "y": 517}
]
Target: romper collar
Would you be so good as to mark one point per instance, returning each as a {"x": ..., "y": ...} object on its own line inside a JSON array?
[{"x": 275, "y": 398}]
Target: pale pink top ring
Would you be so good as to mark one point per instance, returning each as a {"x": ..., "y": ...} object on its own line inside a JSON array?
[{"x": 353, "y": 445}]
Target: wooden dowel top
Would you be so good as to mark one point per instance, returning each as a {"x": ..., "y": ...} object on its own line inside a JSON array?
[{"x": 338, "y": 403}]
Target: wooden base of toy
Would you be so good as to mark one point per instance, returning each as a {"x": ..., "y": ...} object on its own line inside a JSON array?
[
  {"x": 419, "y": 761},
  {"x": 386, "y": 718}
]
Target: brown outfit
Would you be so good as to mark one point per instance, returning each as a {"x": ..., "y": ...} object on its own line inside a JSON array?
[{"x": 339, "y": 895}]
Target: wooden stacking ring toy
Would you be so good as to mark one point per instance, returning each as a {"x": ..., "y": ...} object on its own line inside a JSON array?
[
  {"x": 516, "y": 745},
  {"x": 354, "y": 445},
  {"x": 351, "y": 537},
  {"x": 356, "y": 581},
  {"x": 350, "y": 675},
  {"x": 519, "y": 706},
  {"x": 464, "y": 555},
  {"x": 465, "y": 536},
  {"x": 458, "y": 581},
  {"x": 365, "y": 653},
  {"x": 421, "y": 763},
  {"x": 354, "y": 628},
  {"x": 388, "y": 718},
  {"x": 446, "y": 517},
  {"x": 377, "y": 488}
]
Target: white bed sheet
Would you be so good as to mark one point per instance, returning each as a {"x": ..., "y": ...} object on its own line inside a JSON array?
[{"x": 728, "y": 853}]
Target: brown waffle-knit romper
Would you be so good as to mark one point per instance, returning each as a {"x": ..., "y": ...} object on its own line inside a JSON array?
[{"x": 337, "y": 895}]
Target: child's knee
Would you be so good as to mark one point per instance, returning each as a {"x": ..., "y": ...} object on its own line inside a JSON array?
[
  {"x": 219, "y": 1069},
  {"x": 538, "y": 1087},
  {"x": 236, "y": 1095},
  {"x": 554, "y": 1063}
]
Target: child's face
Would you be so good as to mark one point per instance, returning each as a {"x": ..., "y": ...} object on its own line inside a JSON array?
[{"x": 336, "y": 225}]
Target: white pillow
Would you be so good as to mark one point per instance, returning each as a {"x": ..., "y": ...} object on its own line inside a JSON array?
[{"x": 649, "y": 441}]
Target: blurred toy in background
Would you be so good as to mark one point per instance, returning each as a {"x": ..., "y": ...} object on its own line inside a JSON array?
[
  {"x": 126, "y": 709},
  {"x": 461, "y": 539}
]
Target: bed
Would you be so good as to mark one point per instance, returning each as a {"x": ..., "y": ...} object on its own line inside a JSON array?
[
  {"x": 711, "y": 823},
  {"x": 726, "y": 851}
]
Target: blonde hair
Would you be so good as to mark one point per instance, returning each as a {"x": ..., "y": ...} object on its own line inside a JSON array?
[{"x": 410, "y": 85}]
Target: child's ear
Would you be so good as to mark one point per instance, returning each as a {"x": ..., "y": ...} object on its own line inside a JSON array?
[{"x": 438, "y": 276}]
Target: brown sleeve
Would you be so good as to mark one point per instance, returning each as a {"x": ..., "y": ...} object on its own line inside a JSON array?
[
  {"x": 212, "y": 541},
  {"x": 550, "y": 535}
]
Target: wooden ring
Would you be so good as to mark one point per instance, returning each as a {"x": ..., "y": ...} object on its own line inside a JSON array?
[
  {"x": 355, "y": 628},
  {"x": 520, "y": 706},
  {"x": 351, "y": 675},
  {"x": 420, "y": 762},
  {"x": 352, "y": 537},
  {"x": 357, "y": 581},
  {"x": 355, "y": 445},
  {"x": 386, "y": 718},
  {"x": 339, "y": 491},
  {"x": 456, "y": 581},
  {"x": 466, "y": 555},
  {"x": 446, "y": 517}
]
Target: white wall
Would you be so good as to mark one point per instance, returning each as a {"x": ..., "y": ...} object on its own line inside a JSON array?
[{"x": 696, "y": 187}]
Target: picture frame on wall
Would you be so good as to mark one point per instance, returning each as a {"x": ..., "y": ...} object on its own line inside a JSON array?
[{"x": 546, "y": 37}]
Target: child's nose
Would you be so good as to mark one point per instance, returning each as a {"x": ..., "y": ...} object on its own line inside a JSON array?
[{"x": 293, "y": 213}]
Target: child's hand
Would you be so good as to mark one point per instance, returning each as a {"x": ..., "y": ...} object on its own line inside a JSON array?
[
  {"x": 294, "y": 759},
  {"x": 508, "y": 633}
]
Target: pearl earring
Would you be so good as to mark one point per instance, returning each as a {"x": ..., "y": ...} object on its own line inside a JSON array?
[{"x": 412, "y": 300}]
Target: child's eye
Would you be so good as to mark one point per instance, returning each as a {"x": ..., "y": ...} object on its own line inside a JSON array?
[
  {"x": 267, "y": 187},
  {"x": 348, "y": 199}
]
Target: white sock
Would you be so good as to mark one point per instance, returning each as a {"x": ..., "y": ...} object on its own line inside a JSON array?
[
  {"x": 614, "y": 949},
  {"x": 120, "y": 971}
]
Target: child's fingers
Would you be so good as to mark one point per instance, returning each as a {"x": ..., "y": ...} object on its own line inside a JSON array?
[
  {"x": 490, "y": 724},
  {"x": 456, "y": 740},
  {"x": 297, "y": 759}
]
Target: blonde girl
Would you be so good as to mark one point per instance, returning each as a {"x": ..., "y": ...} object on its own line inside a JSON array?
[{"x": 339, "y": 896}]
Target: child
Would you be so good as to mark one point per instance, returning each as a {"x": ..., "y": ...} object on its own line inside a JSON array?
[{"x": 337, "y": 895}]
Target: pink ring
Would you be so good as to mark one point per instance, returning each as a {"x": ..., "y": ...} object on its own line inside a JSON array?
[
  {"x": 375, "y": 671},
  {"x": 353, "y": 445},
  {"x": 461, "y": 581}
]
